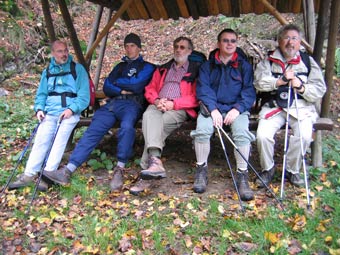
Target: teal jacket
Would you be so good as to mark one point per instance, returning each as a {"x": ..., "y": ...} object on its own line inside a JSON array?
[{"x": 52, "y": 104}]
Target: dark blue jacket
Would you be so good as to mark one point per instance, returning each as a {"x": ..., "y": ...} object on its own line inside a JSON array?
[
  {"x": 128, "y": 75},
  {"x": 225, "y": 87}
]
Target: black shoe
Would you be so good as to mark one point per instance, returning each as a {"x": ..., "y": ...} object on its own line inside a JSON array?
[
  {"x": 295, "y": 179},
  {"x": 266, "y": 176},
  {"x": 201, "y": 179},
  {"x": 246, "y": 194}
]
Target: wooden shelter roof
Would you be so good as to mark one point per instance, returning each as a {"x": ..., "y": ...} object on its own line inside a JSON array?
[{"x": 166, "y": 9}]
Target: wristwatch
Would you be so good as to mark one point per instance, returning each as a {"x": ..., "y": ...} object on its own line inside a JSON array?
[{"x": 284, "y": 78}]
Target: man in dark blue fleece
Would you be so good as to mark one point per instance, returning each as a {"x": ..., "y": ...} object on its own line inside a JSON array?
[{"x": 225, "y": 87}]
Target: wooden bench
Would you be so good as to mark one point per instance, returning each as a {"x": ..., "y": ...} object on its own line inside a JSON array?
[{"x": 316, "y": 146}]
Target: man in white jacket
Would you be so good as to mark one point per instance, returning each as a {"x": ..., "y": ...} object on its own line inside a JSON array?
[{"x": 287, "y": 65}]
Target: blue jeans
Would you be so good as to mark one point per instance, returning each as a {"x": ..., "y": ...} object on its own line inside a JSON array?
[
  {"x": 127, "y": 112},
  {"x": 43, "y": 141}
]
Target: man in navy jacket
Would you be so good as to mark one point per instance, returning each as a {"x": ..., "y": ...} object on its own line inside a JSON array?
[
  {"x": 125, "y": 88},
  {"x": 225, "y": 87}
]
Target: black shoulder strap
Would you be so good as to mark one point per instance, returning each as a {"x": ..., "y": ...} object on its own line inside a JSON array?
[
  {"x": 72, "y": 71},
  {"x": 306, "y": 60}
]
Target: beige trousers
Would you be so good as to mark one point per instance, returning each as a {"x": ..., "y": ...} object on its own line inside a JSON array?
[{"x": 157, "y": 126}]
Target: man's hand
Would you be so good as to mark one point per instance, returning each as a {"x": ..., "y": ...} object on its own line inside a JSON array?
[
  {"x": 125, "y": 92},
  {"x": 231, "y": 116},
  {"x": 297, "y": 85},
  {"x": 40, "y": 115},
  {"x": 66, "y": 114},
  {"x": 168, "y": 105},
  {"x": 217, "y": 118}
]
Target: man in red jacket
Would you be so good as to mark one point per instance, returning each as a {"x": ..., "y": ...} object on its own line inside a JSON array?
[{"x": 171, "y": 94}]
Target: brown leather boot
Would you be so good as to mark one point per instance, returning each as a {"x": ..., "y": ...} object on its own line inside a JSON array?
[
  {"x": 61, "y": 176},
  {"x": 141, "y": 186},
  {"x": 117, "y": 181},
  {"x": 155, "y": 169},
  {"x": 246, "y": 194},
  {"x": 201, "y": 179},
  {"x": 25, "y": 180}
]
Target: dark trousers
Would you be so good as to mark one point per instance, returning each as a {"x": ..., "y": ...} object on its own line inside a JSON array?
[{"x": 127, "y": 112}]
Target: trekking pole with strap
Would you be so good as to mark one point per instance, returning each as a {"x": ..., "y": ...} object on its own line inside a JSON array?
[
  {"x": 43, "y": 165},
  {"x": 302, "y": 153},
  {"x": 251, "y": 167},
  {"x": 229, "y": 166},
  {"x": 284, "y": 164},
  {"x": 29, "y": 142}
]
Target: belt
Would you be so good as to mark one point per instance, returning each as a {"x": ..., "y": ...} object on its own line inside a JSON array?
[{"x": 63, "y": 96}]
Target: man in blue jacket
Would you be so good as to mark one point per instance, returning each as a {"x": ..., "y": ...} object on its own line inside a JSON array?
[
  {"x": 61, "y": 94},
  {"x": 225, "y": 87},
  {"x": 125, "y": 88}
]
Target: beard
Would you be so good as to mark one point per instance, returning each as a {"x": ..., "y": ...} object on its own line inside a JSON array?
[
  {"x": 181, "y": 59},
  {"x": 290, "y": 52}
]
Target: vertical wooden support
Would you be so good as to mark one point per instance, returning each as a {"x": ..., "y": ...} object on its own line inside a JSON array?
[
  {"x": 317, "y": 149},
  {"x": 102, "y": 52},
  {"x": 94, "y": 32},
  {"x": 72, "y": 32},
  {"x": 309, "y": 21},
  {"x": 48, "y": 20},
  {"x": 321, "y": 30},
  {"x": 329, "y": 72},
  {"x": 106, "y": 29}
]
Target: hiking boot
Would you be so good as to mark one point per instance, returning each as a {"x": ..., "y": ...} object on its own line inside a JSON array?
[
  {"x": 61, "y": 176},
  {"x": 116, "y": 183},
  {"x": 25, "y": 180},
  {"x": 246, "y": 194},
  {"x": 295, "y": 179},
  {"x": 266, "y": 176},
  {"x": 155, "y": 169},
  {"x": 201, "y": 179},
  {"x": 140, "y": 186}
]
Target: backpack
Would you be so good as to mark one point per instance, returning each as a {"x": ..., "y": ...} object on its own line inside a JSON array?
[
  {"x": 197, "y": 56},
  {"x": 74, "y": 75}
]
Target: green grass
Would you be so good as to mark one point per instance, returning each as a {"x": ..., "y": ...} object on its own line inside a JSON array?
[{"x": 84, "y": 218}]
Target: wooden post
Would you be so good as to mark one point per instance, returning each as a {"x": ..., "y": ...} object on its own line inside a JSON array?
[
  {"x": 72, "y": 32},
  {"x": 283, "y": 21},
  {"x": 94, "y": 32},
  {"x": 330, "y": 58},
  {"x": 321, "y": 30},
  {"x": 309, "y": 21},
  {"x": 48, "y": 20},
  {"x": 101, "y": 53},
  {"x": 106, "y": 29}
]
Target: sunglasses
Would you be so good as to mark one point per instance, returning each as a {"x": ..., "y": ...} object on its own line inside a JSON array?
[
  {"x": 182, "y": 47},
  {"x": 229, "y": 41}
]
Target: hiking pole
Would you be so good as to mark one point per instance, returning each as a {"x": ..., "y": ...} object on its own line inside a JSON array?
[
  {"x": 231, "y": 171},
  {"x": 251, "y": 167},
  {"x": 284, "y": 163},
  {"x": 43, "y": 165},
  {"x": 302, "y": 153},
  {"x": 20, "y": 158}
]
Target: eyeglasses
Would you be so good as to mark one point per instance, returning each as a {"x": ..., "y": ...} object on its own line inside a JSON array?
[
  {"x": 229, "y": 41},
  {"x": 182, "y": 47},
  {"x": 294, "y": 38}
]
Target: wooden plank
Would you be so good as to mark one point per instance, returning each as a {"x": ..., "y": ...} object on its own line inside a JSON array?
[
  {"x": 213, "y": 7},
  {"x": 224, "y": 7},
  {"x": 246, "y": 6},
  {"x": 172, "y": 9},
  {"x": 161, "y": 9},
  {"x": 258, "y": 7},
  {"x": 192, "y": 7},
  {"x": 141, "y": 9},
  {"x": 297, "y": 6},
  {"x": 235, "y": 8},
  {"x": 183, "y": 8},
  {"x": 202, "y": 7},
  {"x": 132, "y": 11},
  {"x": 149, "y": 4}
]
